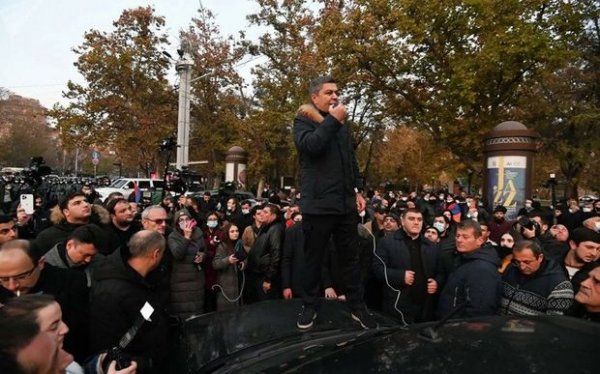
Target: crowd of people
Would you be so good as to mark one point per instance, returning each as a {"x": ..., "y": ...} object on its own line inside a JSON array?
[
  {"x": 421, "y": 257},
  {"x": 101, "y": 286}
]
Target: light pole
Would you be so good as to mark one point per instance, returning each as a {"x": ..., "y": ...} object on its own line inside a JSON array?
[
  {"x": 184, "y": 68},
  {"x": 470, "y": 174},
  {"x": 552, "y": 183}
]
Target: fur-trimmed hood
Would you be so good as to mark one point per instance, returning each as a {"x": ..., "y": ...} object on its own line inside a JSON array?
[
  {"x": 99, "y": 215},
  {"x": 311, "y": 112}
]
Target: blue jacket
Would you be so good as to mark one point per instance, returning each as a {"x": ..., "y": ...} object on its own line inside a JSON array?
[{"x": 475, "y": 281}]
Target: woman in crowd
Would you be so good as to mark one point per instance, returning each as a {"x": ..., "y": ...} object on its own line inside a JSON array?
[
  {"x": 186, "y": 244},
  {"x": 229, "y": 262},
  {"x": 212, "y": 237}
]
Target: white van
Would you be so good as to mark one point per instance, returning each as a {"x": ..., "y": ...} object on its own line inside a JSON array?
[{"x": 126, "y": 186}]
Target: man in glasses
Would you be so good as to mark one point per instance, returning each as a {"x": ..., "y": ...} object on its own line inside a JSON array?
[
  {"x": 155, "y": 218},
  {"x": 24, "y": 271},
  {"x": 534, "y": 284}
]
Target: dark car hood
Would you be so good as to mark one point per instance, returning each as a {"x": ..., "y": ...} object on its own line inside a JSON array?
[{"x": 263, "y": 337}]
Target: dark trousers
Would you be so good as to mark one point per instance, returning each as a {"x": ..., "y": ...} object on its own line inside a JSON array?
[{"x": 317, "y": 231}]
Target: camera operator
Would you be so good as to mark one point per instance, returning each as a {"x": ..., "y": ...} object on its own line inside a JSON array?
[
  {"x": 527, "y": 229},
  {"x": 120, "y": 289}
]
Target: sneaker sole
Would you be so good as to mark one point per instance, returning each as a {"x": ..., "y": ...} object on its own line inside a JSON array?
[
  {"x": 308, "y": 325},
  {"x": 360, "y": 322}
]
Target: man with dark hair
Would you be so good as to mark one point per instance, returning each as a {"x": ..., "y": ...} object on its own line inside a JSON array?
[
  {"x": 72, "y": 212},
  {"x": 120, "y": 290},
  {"x": 78, "y": 251},
  {"x": 533, "y": 284},
  {"x": 499, "y": 225},
  {"x": 8, "y": 229},
  {"x": 122, "y": 225},
  {"x": 410, "y": 263},
  {"x": 391, "y": 224},
  {"x": 585, "y": 248},
  {"x": 442, "y": 224},
  {"x": 474, "y": 284},
  {"x": 23, "y": 271},
  {"x": 330, "y": 185},
  {"x": 264, "y": 258}
]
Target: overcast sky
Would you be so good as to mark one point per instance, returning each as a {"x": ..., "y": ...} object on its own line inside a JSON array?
[{"x": 36, "y": 36}]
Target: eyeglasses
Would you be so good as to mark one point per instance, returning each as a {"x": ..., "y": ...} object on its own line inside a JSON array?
[
  {"x": 158, "y": 221},
  {"x": 7, "y": 230},
  {"x": 18, "y": 277},
  {"x": 524, "y": 262}
]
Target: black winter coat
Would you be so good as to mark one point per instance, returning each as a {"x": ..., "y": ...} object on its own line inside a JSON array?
[
  {"x": 69, "y": 288},
  {"x": 475, "y": 281},
  {"x": 393, "y": 250},
  {"x": 292, "y": 260},
  {"x": 265, "y": 255},
  {"x": 328, "y": 168},
  {"x": 118, "y": 293}
]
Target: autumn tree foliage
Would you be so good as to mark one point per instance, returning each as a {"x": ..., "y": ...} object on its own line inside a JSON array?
[
  {"x": 126, "y": 103},
  {"x": 24, "y": 132},
  {"x": 218, "y": 105}
]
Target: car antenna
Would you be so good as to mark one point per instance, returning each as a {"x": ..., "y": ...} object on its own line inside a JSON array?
[{"x": 431, "y": 333}]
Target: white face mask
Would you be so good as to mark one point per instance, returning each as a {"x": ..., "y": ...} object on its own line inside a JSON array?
[
  {"x": 212, "y": 224},
  {"x": 587, "y": 210},
  {"x": 245, "y": 211},
  {"x": 440, "y": 227}
]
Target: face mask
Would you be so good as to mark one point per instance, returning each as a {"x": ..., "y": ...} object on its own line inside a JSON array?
[
  {"x": 449, "y": 201},
  {"x": 245, "y": 211},
  {"x": 440, "y": 227},
  {"x": 527, "y": 205},
  {"x": 441, "y": 197},
  {"x": 598, "y": 226},
  {"x": 212, "y": 224},
  {"x": 405, "y": 199},
  {"x": 587, "y": 210}
]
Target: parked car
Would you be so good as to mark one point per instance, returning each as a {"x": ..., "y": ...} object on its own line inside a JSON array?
[
  {"x": 262, "y": 337},
  {"x": 126, "y": 186}
]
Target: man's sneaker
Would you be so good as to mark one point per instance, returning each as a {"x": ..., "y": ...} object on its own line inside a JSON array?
[
  {"x": 366, "y": 319},
  {"x": 306, "y": 317}
]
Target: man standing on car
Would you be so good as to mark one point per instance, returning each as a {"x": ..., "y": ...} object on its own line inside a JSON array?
[{"x": 330, "y": 185}]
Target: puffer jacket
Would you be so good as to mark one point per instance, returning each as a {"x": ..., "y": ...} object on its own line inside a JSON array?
[
  {"x": 475, "y": 281},
  {"x": 187, "y": 278}
]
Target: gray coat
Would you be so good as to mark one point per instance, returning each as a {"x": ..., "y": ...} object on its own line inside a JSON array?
[
  {"x": 227, "y": 278},
  {"x": 187, "y": 281}
]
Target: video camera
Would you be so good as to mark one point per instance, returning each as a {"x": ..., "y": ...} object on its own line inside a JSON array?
[
  {"x": 529, "y": 224},
  {"x": 36, "y": 170}
]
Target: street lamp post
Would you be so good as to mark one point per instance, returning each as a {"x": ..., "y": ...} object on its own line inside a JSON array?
[
  {"x": 552, "y": 183},
  {"x": 470, "y": 177},
  {"x": 184, "y": 68}
]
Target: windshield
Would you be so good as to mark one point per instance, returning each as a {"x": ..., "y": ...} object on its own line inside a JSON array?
[{"x": 118, "y": 183}]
